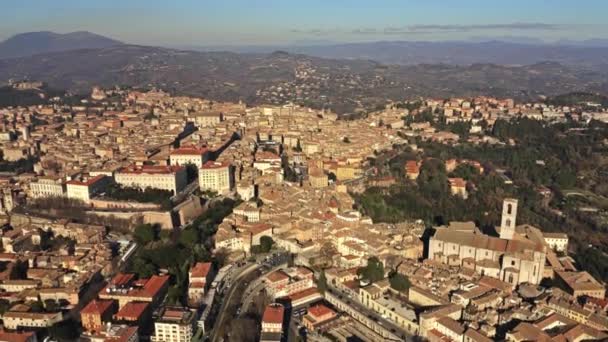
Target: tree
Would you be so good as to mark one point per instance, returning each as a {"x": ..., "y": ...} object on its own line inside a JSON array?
[
  {"x": 67, "y": 330},
  {"x": 4, "y": 306},
  {"x": 191, "y": 172},
  {"x": 399, "y": 282},
  {"x": 145, "y": 233},
  {"x": 374, "y": 271},
  {"x": 266, "y": 242},
  {"x": 189, "y": 237},
  {"x": 51, "y": 305},
  {"x": 37, "y": 306},
  {"x": 322, "y": 283}
]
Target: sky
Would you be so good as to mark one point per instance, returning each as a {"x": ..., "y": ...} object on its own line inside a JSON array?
[{"x": 259, "y": 22}]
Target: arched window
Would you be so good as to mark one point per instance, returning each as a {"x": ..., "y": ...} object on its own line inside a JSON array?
[
  {"x": 509, "y": 208},
  {"x": 508, "y": 223}
]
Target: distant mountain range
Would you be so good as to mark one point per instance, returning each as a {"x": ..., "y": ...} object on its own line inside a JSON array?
[
  {"x": 495, "y": 50},
  {"x": 33, "y": 43},
  {"x": 517, "y": 51},
  {"x": 343, "y": 85}
]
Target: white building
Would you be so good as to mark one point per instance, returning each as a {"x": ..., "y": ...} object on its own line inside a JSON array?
[
  {"x": 189, "y": 155},
  {"x": 557, "y": 241},
  {"x": 170, "y": 178},
  {"x": 47, "y": 187},
  {"x": 86, "y": 188},
  {"x": 173, "y": 324},
  {"x": 216, "y": 177}
]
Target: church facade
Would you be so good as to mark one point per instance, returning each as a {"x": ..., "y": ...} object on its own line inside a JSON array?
[{"x": 511, "y": 257}]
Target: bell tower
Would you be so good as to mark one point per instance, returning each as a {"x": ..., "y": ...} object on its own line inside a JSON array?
[{"x": 509, "y": 216}]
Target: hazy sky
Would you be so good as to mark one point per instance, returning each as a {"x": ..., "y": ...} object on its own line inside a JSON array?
[{"x": 206, "y": 22}]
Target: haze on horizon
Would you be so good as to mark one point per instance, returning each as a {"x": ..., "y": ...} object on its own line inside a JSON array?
[{"x": 239, "y": 22}]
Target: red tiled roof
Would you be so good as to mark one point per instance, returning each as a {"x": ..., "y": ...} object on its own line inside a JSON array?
[
  {"x": 189, "y": 151},
  {"x": 457, "y": 182},
  {"x": 319, "y": 310},
  {"x": 132, "y": 311},
  {"x": 277, "y": 276},
  {"x": 88, "y": 182},
  {"x": 155, "y": 284},
  {"x": 215, "y": 165},
  {"x": 152, "y": 169},
  {"x": 97, "y": 307},
  {"x": 273, "y": 314},
  {"x": 200, "y": 269},
  {"x": 122, "y": 279},
  {"x": 303, "y": 294},
  {"x": 16, "y": 336}
]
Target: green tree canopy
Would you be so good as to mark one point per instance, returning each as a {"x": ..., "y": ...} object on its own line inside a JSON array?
[
  {"x": 145, "y": 233},
  {"x": 266, "y": 242},
  {"x": 399, "y": 282},
  {"x": 322, "y": 282},
  {"x": 374, "y": 271}
]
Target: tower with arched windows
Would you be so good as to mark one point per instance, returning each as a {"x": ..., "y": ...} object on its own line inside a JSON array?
[{"x": 509, "y": 216}]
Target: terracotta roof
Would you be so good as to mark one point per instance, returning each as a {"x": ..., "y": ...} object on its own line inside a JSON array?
[
  {"x": 88, "y": 182},
  {"x": 155, "y": 284},
  {"x": 97, "y": 307},
  {"x": 200, "y": 270},
  {"x": 132, "y": 311},
  {"x": 152, "y": 169},
  {"x": 189, "y": 151},
  {"x": 16, "y": 336},
  {"x": 273, "y": 314},
  {"x": 277, "y": 276},
  {"x": 215, "y": 165},
  {"x": 457, "y": 182},
  {"x": 122, "y": 279},
  {"x": 319, "y": 310}
]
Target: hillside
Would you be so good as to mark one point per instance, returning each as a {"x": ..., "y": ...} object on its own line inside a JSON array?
[
  {"x": 33, "y": 43},
  {"x": 343, "y": 85}
]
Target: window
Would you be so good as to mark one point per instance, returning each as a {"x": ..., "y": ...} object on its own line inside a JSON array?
[{"x": 509, "y": 208}]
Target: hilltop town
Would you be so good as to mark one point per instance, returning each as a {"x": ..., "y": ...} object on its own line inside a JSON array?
[{"x": 137, "y": 215}]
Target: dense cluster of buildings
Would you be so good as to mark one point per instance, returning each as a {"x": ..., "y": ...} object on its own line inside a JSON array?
[{"x": 294, "y": 170}]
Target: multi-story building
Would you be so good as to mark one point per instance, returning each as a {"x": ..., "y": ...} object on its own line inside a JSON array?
[
  {"x": 47, "y": 187},
  {"x": 377, "y": 297},
  {"x": 125, "y": 289},
  {"x": 170, "y": 178},
  {"x": 272, "y": 320},
  {"x": 288, "y": 281},
  {"x": 580, "y": 284},
  {"x": 208, "y": 119},
  {"x": 514, "y": 260},
  {"x": 173, "y": 324},
  {"x": 557, "y": 241},
  {"x": 96, "y": 313},
  {"x": 272, "y": 323},
  {"x": 199, "y": 277},
  {"x": 189, "y": 155},
  {"x": 317, "y": 178},
  {"x": 458, "y": 187},
  {"x": 216, "y": 177},
  {"x": 15, "y": 319},
  {"x": 318, "y": 315},
  {"x": 85, "y": 188}
]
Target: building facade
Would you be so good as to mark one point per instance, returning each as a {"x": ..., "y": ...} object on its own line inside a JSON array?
[
  {"x": 170, "y": 178},
  {"x": 216, "y": 177}
]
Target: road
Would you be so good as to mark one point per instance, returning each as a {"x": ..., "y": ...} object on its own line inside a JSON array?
[{"x": 216, "y": 333}]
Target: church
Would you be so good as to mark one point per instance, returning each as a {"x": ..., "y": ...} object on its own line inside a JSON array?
[{"x": 516, "y": 256}]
